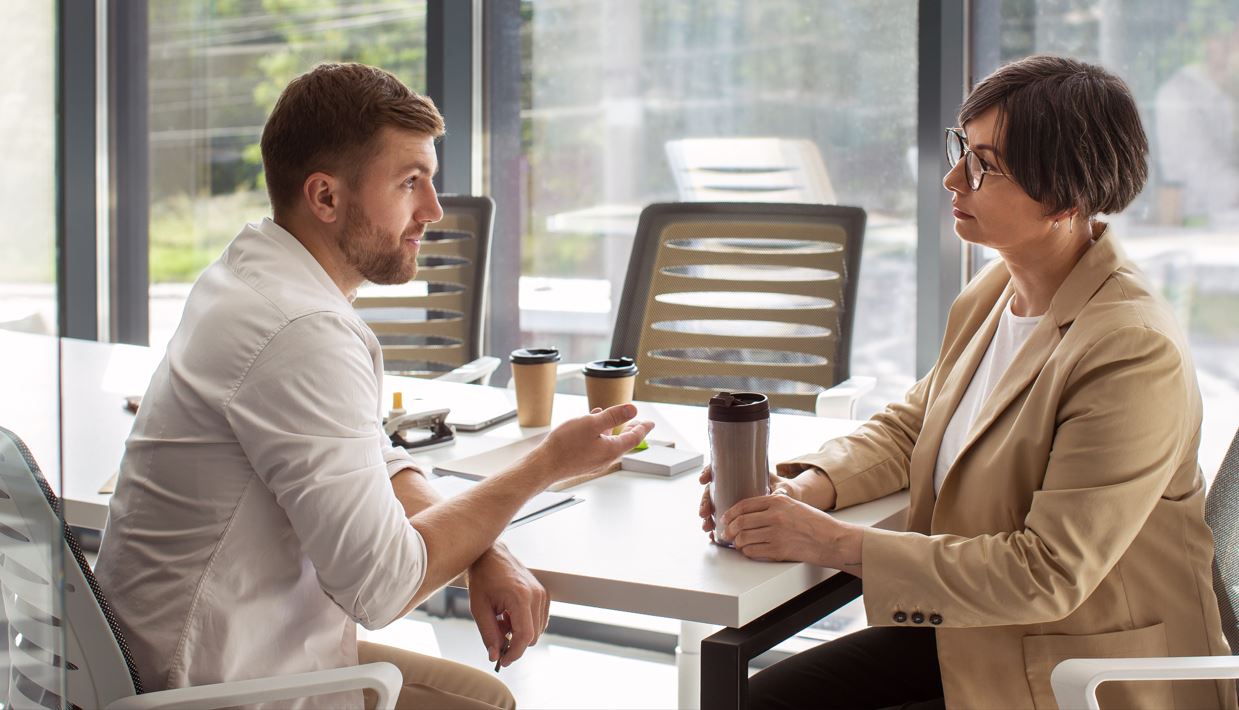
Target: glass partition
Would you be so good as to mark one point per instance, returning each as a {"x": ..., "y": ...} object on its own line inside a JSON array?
[
  {"x": 32, "y": 670},
  {"x": 627, "y": 103},
  {"x": 216, "y": 69},
  {"x": 28, "y": 181}
]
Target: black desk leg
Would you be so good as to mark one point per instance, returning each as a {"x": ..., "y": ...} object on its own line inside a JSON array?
[{"x": 725, "y": 656}]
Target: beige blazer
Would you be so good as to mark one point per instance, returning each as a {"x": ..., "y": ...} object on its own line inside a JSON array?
[{"x": 1072, "y": 523}]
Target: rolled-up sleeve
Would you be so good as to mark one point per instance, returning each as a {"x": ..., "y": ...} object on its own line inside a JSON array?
[{"x": 305, "y": 415}]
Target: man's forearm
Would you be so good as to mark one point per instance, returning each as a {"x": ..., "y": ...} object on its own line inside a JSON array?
[
  {"x": 459, "y": 530},
  {"x": 413, "y": 491}
]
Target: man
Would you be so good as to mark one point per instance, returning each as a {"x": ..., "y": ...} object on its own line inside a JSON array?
[
  {"x": 1196, "y": 147},
  {"x": 260, "y": 512}
]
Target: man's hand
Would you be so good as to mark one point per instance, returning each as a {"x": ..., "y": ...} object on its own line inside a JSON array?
[
  {"x": 585, "y": 444},
  {"x": 705, "y": 511},
  {"x": 779, "y": 528},
  {"x": 503, "y": 597}
]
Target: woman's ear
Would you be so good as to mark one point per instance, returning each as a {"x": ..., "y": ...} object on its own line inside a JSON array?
[{"x": 1067, "y": 215}]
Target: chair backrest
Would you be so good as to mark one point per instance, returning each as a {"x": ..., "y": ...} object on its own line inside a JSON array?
[
  {"x": 743, "y": 297},
  {"x": 50, "y": 647},
  {"x": 434, "y": 323},
  {"x": 1222, "y": 514},
  {"x": 749, "y": 170}
]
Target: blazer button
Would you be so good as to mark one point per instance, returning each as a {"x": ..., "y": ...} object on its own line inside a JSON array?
[
  {"x": 918, "y": 617},
  {"x": 900, "y": 617},
  {"x": 935, "y": 619}
]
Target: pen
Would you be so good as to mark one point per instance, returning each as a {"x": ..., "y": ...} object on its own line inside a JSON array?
[{"x": 507, "y": 642}]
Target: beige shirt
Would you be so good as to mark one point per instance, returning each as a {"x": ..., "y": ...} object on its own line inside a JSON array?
[{"x": 253, "y": 522}]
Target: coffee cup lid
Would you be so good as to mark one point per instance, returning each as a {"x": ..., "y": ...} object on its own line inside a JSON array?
[
  {"x": 534, "y": 356},
  {"x": 739, "y": 407},
  {"x": 614, "y": 367}
]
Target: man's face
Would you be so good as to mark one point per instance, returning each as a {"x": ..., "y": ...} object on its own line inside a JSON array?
[{"x": 389, "y": 206}]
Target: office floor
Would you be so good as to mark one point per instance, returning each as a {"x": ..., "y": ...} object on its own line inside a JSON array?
[{"x": 558, "y": 672}]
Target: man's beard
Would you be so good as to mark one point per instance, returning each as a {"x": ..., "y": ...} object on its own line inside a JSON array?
[{"x": 363, "y": 245}]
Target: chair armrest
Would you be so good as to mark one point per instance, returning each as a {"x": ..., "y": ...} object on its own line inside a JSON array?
[
  {"x": 564, "y": 372},
  {"x": 839, "y": 402},
  {"x": 383, "y": 678},
  {"x": 478, "y": 371},
  {"x": 1075, "y": 680}
]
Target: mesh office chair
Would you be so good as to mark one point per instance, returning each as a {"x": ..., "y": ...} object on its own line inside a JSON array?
[
  {"x": 433, "y": 325},
  {"x": 747, "y": 296},
  {"x": 79, "y": 647},
  {"x": 1075, "y": 680},
  {"x": 749, "y": 170}
]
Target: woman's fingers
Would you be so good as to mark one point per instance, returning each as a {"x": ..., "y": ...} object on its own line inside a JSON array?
[{"x": 707, "y": 475}]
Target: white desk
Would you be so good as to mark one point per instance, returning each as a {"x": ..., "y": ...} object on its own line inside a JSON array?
[{"x": 634, "y": 544}]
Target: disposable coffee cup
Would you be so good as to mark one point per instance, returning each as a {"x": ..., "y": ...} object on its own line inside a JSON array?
[
  {"x": 739, "y": 435},
  {"x": 610, "y": 382},
  {"x": 534, "y": 373}
]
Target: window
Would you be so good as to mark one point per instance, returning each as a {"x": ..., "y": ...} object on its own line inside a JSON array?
[
  {"x": 216, "y": 69},
  {"x": 1179, "y": 59},
  {"x": 614, "y": 92},
  {"x": 28, "y": 181}
]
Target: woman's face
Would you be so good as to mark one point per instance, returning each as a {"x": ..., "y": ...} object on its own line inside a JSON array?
[{"x": 1000, "y": 214}]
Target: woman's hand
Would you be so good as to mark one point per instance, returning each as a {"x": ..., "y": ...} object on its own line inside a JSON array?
[
  {"x": 779, "y": 528},
  {"x": 705, "y": 511}
]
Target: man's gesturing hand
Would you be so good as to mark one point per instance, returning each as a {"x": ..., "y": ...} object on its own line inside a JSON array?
[{"x": 586, "y": 444}]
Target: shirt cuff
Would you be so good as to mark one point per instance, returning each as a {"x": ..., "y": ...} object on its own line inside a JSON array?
[{"x": 398, "y": 460}]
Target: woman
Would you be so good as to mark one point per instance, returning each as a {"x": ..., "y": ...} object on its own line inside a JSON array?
[{"x": 1056, "y": 505}]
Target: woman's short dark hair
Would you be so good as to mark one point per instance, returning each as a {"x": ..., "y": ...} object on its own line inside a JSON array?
[{"x": 1067, "y": 132}]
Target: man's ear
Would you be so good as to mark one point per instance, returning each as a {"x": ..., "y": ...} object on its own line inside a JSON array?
[{"x": 322, "y": 195}]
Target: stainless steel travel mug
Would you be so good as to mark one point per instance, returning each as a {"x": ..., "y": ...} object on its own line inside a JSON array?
[{"x": 739, "y": 436}]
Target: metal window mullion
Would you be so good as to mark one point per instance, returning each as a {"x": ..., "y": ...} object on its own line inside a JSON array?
[
  {"x": 501, "y": 77},
  {"x": 128, "y": 153},
  {"x": 450, "y": 83},
  {"x": 76, "y": 178},
  {"x": 941, "y": 80}
]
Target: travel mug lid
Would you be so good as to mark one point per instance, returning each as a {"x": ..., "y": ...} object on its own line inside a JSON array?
[
  {"x": 534, "y": 356},
  {"x": 614, "y": 367},
  {"x": 739, "y": 407}
]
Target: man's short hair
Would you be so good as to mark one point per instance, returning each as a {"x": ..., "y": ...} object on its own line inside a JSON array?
[
  {"x": 327, "y": 119},
  {"x": 1067, "y": 132}
]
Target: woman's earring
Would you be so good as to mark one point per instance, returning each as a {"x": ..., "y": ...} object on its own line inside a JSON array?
[
  {"x": 1071, "y": 224},
  {"x": 1056, "y": 224}
]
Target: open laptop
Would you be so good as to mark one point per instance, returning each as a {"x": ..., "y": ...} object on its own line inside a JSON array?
[{"x": 484, "y": 407}]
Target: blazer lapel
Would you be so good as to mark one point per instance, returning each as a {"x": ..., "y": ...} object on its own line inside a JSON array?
[
  {"x": 1094, "y": 267},
  {"x": 925, "y": 455},
  {"x": 1023, "y": 370}
]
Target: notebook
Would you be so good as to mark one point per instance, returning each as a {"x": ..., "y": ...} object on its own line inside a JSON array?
[{"x": 542, "y": 504}]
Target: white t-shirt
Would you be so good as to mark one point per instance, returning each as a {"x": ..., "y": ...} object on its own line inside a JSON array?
[
  {"x": 254, "y": 523},
  {"x": 1012, "y": 331}
]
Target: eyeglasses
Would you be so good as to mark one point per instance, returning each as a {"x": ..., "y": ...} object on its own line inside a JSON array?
[{"x": 975, "y": 168}]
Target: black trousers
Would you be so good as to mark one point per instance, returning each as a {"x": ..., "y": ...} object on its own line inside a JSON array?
[{"x": 878, "y": 667}]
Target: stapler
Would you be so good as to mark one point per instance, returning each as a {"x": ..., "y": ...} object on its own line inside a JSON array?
[{"x": 420, "y": 429}]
